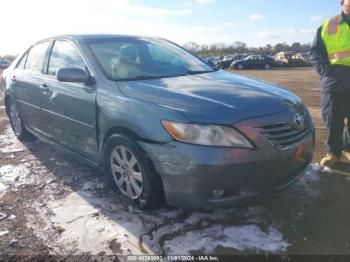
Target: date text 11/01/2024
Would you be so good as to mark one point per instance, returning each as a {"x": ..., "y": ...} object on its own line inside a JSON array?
[{"x": 172, "y": 258}]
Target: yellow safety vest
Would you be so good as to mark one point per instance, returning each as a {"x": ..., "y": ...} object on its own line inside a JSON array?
[{"x": 336, "y": 37}]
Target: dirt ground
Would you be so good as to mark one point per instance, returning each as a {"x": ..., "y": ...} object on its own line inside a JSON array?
[{"x": 51, "y": 204}]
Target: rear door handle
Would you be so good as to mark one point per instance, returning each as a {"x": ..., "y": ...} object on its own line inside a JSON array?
[
  {"x": 13, "y": 79},
  {"x": 44, "y": 87}
]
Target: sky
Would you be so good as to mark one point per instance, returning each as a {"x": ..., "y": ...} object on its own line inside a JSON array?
[{"x": 255, "y": 22}]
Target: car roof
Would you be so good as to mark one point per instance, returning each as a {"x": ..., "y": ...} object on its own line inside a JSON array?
[{"x": 95, "y": 37}]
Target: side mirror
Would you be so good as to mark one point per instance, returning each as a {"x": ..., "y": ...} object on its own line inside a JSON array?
[{"x": 74, "y": 75}]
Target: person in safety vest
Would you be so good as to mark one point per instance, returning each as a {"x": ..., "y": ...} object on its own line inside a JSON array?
[{"x": 330, "y": 56}]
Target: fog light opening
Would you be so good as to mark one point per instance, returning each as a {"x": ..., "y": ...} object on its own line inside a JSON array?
[
  {"x": 217, "y": 193},
  {"x": 225, "y": 193},
  {"x": 235, "y": 192}
]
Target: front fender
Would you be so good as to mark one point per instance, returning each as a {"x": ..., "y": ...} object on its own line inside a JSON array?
[{"x": 140, "y": 117}]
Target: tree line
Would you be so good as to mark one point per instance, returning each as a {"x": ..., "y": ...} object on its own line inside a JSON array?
[
  {"x": 7, "y": 58},
  {"x": 222, "y": 49}
]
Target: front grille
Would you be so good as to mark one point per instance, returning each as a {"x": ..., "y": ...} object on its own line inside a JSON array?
[{"x": 284, "y": 134}]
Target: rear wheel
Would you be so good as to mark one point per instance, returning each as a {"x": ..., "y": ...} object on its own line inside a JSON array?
[
  {"x": 17, "y": 123},
  {"x": 130, "y": 172},
  {"x": 267, "y": 67},
  {"x": 240, "y": 67}
]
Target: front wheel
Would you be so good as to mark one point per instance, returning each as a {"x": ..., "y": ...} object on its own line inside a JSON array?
[
  {"x": 240, "y": 67},
  {"x": 130, "y": 172}
]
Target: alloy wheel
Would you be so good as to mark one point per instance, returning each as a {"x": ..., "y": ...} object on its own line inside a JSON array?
[
  {"x": 267, "y": 66},
  {"x": 127, "y": 173}
]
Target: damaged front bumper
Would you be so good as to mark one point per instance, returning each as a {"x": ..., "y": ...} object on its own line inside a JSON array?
[{"x": 200, "y": 177}]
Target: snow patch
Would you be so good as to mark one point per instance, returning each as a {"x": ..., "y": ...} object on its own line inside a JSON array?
[
  {"x": 14, "y": 175},
  {"x": 242, "y": 238},
  {"x": 91, "y": 222},
  {"x": 4, "y": 233},
  {"x": 9, "y": 142},
  {"x": 2, "y": 188},
  {"x": 83, "y": 226},
  {"x": 312, "y": 173},
  {"x": 309, "y": 182}
]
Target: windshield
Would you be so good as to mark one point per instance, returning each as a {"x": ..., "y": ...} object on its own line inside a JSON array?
[{"x": 130, "y": 59}]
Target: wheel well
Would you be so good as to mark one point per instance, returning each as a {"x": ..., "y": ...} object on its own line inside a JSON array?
[
  {"x": 127, "y": 132},
  {"x": 120, "y": 130}
]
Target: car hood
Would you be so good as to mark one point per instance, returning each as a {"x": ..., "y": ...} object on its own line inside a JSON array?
[{"x": 217, "y": 97}]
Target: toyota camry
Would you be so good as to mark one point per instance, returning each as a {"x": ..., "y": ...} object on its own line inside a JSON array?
[{"x": 162, "y": 123}]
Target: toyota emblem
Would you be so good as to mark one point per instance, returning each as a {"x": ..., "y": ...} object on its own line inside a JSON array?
[{"x": 299, "y": 120}]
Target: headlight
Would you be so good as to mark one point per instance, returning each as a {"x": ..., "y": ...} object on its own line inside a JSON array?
[{"x": 210, "y": 135}]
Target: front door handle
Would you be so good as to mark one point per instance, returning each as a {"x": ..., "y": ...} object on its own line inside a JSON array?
[
  {"x": 44, "y": 87},
  {"x": 13, "y": 79}
]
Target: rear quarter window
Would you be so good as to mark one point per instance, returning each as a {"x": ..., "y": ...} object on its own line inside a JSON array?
[{"x": 36, "y": 57}]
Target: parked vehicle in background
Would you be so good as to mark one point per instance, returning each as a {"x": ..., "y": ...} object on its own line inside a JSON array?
[
  {"x": 4, "y": 64},
  {"x": 215, "y": 58},
  {"x": 211, "y": 60},
  {"x": 207, "y": 60},
  {"x": 253, "y": 61},
  {"x": 158, "y": 120},
  {"x": 298, "y": 60},
  {"x": 271, "y": 57},
  {"x": 306, "y": 58},
  {"x": 291, "y": 59},
  {"x": 283, "y": 58},
  {"x": 223, "y": 64},
  {"x": 228, "y": 57}
]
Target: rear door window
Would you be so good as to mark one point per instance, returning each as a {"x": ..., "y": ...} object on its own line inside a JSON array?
[
  {"x": 36, "y": 58},
  {"x": 64, "y": 55}
]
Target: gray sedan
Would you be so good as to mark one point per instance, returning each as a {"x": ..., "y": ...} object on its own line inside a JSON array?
[{"x": 160, "y": 122}]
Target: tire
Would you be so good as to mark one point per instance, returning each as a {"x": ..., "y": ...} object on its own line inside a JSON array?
[
  {"x": 130, "y": 172},
  {"x": 16, "y": 122},
  {"x": 240, "y": 67},
  {"x": 267, "y": 67}
]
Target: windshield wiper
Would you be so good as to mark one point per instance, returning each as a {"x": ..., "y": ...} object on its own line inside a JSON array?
[
  {"x": 195, "y": 72},
  {"x": 140, "y": 77},
  {"x": 146, "y": 77}
]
